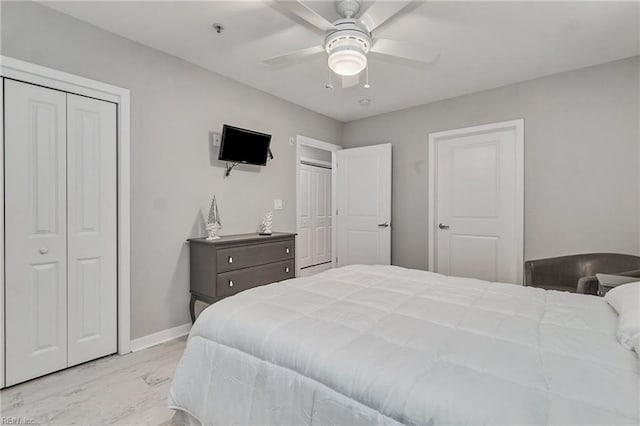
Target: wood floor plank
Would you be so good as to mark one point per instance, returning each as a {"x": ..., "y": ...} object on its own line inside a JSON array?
[{"x": 131, "y": 389}]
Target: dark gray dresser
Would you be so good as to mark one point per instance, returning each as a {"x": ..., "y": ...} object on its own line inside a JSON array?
[{"x": 221, "y": 268}]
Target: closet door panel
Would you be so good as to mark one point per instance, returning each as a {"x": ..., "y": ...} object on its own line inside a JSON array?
[
  {"x": 321, "y": 215},
  {"x": 92, "y": 222},
  {"x": 304, "y": 243},
  {"x": 35, "y": 231}
]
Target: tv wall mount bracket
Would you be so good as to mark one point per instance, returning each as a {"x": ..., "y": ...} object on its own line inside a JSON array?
[{"x": 231, "y": 166}]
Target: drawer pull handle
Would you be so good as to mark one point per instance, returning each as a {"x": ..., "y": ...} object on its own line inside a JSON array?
[
  {"x": 286, "y": 250},
  {"x": 230, "y": 283},
  {"x": 230, "y": 259},
  {"x": 286, "y": 270},
  {"x": 43, "y": 250}
]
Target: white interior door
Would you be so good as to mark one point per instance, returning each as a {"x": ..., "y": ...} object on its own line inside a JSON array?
[
  {"x": 35, "y": 231},
  {"x": 92, "y": 227},
  {"x": 321, "y": 214},
  {"x": 363, "y": 204},
  {"x": 304, "y": 241},
  {"x": 478, "y": 202}
]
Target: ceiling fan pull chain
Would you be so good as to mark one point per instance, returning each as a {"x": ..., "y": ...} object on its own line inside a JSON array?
[
  {"x": 366, "y": 78},
  {"x": 329, "y": 84}
]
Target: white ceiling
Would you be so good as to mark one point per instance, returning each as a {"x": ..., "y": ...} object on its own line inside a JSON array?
[{"x": 482, "y": 45}]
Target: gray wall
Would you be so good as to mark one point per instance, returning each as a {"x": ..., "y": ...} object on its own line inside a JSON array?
[
  {"x": 581, "y": 159},
  {"x": 174, "y": 105}
]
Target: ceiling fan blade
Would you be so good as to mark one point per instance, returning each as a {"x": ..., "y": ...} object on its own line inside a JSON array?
[
  {"x": 292, "y": 57},
  {"x": 381, "y": 11},
  {"x": 302, "y": 14},
  {"x": 350, "y": 81},
  {"x": 407, "y": 51}
]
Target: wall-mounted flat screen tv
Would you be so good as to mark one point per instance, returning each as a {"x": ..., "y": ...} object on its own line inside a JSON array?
[{"x": 244, "y": 146}]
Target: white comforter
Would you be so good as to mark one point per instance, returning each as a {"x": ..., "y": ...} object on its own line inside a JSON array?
[{"x": 383, "y": 344}]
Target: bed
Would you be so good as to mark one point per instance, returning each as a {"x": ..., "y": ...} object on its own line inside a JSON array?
[{"x": 388, "y": 345}]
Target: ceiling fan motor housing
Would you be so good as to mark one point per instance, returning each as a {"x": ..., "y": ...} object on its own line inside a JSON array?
[{"x": 347, "y": 47}]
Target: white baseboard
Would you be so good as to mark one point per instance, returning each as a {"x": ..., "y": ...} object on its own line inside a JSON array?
[{"x": 149, "y": 340}]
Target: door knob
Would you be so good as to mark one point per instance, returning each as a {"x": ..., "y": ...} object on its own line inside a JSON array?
[
  {"x": 43, "y": 250},
  {"x": 383, "y": 225},
  {"x": 443, "y": 226}
]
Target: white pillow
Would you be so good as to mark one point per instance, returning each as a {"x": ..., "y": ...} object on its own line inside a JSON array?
[{"x": 625, "y": 299}]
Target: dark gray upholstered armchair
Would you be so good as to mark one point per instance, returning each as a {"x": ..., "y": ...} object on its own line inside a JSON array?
[{"x": 576, "y": 273}]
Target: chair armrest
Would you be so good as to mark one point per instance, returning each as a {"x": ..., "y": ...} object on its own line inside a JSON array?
[{"x": 588, "y": 285}]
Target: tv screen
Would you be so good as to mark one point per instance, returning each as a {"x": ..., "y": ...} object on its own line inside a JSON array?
[{"x": 244, "y": 146}]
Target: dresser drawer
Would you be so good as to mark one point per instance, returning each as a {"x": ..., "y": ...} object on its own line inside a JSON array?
[
  {"x": 230, "y": 259},
  {"x": 233, "y": 282}
]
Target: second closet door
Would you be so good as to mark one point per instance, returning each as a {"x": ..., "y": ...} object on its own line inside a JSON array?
[
  {"x": 314, "y": 233},
  {"x": 91, "y": 228},
  {"x": 321, "y": 214}
]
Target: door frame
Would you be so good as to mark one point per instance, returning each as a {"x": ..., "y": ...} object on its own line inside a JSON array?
[
  {"x": 518, "y": 126},
  {"x": 325, "y": 146},
  {"x": 43, "y": 76}
]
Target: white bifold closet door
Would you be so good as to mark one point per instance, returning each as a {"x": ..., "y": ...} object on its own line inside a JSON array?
[
  {"x": 314, "y": 235},
  {"x": 60, "y": 230},
  {"x": 321, "y": 214},
  {"x": 91, "y": 228},
  {"x": 304, "y": 241},
  {"x": 35, "y": 231}
]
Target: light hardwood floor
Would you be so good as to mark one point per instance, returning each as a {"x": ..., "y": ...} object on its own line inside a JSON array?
[{"x": 124, "y": 390}]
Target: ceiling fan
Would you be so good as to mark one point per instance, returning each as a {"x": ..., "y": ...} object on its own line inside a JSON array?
[{"x": 349, "y": 40}]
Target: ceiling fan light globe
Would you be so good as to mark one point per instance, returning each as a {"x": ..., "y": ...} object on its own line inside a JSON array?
[{"x": 347, "y": 62}]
